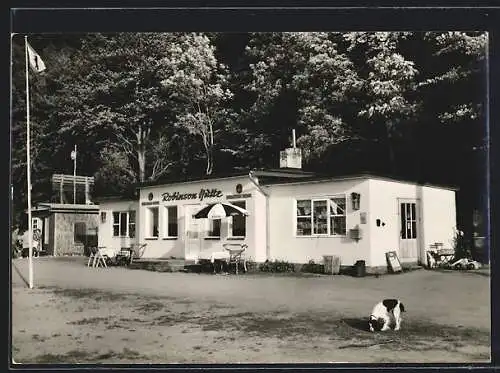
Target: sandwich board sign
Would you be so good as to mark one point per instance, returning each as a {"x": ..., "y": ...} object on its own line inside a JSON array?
[{"x": 393, "y": 261}]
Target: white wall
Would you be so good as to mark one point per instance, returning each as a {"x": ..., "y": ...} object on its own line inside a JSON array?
[
  {"x": 285, "y": 245},
  {"x": 105, "y": 233},
  {"x": 165, "y": 248},
  {"x": 258, "y": 245},
  {"x": 439, "y": 216},
  {"x": 436, "y": 210}
]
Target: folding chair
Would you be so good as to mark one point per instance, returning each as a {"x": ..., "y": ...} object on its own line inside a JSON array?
[
  {"x": 96, "y": 258},
  {"x": 236, "y": 255},
  {"x": 93, "y": 253}
]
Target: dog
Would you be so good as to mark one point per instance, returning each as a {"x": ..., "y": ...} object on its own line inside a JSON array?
[{"x": 384, "y": 313}]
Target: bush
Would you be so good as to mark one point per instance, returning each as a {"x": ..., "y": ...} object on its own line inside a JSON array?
[
  {"x": 252, "y": 266},
  {"x": 461, "y": 246},
  {"x": 312, "y": 267},
  {"x": 277, "y": 266}
]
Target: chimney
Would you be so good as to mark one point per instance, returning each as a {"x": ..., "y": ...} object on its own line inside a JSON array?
[{"x": 291, "y": 157}]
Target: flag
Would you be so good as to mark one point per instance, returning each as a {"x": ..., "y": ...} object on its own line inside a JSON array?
[{"x": 36, "y": 62}]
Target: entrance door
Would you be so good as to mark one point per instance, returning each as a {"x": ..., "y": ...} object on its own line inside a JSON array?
[
  {"x": 193, "y": 229},
  {"x": 409, "y": 230}
]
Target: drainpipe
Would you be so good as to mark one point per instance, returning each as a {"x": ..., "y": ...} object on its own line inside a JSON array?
[{"x": 256, "y": 183}]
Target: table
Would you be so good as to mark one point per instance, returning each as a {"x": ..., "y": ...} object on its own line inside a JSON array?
[{"x": 217, "y": 257}]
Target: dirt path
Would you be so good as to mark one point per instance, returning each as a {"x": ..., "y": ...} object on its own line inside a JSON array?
[{"x": 80, "y": 314}]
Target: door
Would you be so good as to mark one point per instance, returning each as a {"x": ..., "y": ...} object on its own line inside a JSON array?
[
  {"x": 193, "y": 229},
  {"x": 409, "y": 230}
]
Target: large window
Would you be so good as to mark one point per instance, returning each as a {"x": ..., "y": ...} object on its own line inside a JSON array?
[
  {"x": 238, "y": 222},
  {"x": 323, "y": 217},
  {"x": 152, "y": 222},
  {"x": 124, "y": 224},
  {"x": 171, "y": 225}
]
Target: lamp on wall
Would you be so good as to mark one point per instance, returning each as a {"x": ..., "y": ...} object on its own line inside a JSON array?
[{"x": 356, "y": 200}]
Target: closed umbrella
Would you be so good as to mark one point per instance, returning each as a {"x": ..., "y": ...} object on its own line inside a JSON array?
[{"x": 220, "y": 210}]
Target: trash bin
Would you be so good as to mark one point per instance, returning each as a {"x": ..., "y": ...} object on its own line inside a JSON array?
[
  {"x": 331, "y": 264},
  {"x": 360, "y": 268},
  {"x": 336, "y": 265},
  {"x": 328, "y": 264}
]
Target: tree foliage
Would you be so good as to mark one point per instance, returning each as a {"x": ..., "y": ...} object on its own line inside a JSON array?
[{"x": 145, "y": 106}]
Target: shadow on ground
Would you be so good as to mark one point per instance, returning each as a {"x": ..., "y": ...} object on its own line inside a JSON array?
[{"x": 357, "y": 323}]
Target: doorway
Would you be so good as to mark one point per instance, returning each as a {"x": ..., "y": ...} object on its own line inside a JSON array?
[{"x": 409, "y": 230}]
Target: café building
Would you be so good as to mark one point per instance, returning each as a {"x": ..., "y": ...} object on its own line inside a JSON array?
[{"x": 293, "y": 215}]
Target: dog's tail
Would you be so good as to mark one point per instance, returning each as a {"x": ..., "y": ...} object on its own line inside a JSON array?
[{"x": 402, "y": 307}]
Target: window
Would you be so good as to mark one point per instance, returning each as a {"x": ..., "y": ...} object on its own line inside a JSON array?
[
  {"x": 124, "y": 224},
  {"x": 337, "y": 216},
  {"x": 34, "y": 224},
  {"x": 131, "y": 224},
  {"x": 171, "y": 225},
  {"x": 238, "y": 222},
  {"x": 116, "y": 224},
  {"x": 408, "y": 220},
  {"x": 152, "y": 222},
  {"x": 304, "y": 216},
  {"x": 321, "y": 217},
  {"x": 214, "y": 227}
]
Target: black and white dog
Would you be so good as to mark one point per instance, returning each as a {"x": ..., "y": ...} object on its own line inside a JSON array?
[{"x": 384, "y": 313}]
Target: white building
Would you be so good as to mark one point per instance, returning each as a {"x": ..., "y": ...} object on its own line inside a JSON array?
[{"x": 293, "y": 216}]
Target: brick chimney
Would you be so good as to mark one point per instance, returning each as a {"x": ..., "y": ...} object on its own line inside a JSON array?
[{"x": 291, "y": 157}]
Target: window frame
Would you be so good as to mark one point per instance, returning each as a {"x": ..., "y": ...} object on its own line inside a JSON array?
[
  {"x": 166, "y": 221},
  {"x": 230, "y": 222},
  {"x": 329, "y": 216},
  {"x": 208, "y": 230},
  {"x": 119, "y": 223},
  {"x": 148, "y": 226}
]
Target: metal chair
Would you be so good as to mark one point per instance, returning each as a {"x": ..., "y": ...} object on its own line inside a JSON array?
[
  {"x": 236, "y": 255},
  {"x": 137, "y": 251}
]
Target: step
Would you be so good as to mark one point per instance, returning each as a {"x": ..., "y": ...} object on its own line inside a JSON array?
[{"x": 159, "y": 265}]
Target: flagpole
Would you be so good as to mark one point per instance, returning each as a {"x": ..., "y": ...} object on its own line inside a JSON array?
[
  {"x": 74, "y": 178},
  {"x": 28, "y": 166}
]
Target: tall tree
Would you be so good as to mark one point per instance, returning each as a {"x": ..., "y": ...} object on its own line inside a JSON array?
[
  {"x": 389, "y": 82},
  {"x": 303, "y": 81},
  {"x": 198, "y": 83}
]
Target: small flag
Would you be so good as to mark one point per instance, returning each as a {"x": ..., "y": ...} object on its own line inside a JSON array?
[
  {"x": 73, "y": 155},
  {"x": 36, "y": 62}
]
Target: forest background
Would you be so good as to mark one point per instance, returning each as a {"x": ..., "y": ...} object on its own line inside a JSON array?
[{"x": 154, "y": 106}]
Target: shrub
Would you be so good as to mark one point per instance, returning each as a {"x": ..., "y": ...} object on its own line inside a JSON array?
[
  {"x": 461, "y": 245},
  {"x": 312, "y": 267},
  {"x": 252, "y": 266},
  {"x": 277, "y": 266}
]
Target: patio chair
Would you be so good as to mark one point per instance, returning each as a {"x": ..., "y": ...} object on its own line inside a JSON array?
[
  {"x": 96, "y": 258},
  {"x": 137, "y": 251},
  {"x": 236, "y": 255}
]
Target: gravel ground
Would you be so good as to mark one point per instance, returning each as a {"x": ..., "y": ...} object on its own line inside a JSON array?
[{"x": 77, "y": 314}]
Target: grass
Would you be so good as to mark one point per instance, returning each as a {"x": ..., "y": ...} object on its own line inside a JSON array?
[
  {"x": 78, "y": 356},
  {"x": 419, "y": 335},
  {"x": 206, "y": 325}
]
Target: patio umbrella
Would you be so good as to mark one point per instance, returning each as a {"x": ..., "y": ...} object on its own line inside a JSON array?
[{"x": 220, "y": 210}]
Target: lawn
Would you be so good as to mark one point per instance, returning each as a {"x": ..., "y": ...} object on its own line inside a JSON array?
[{"x": 77, "y": 314}]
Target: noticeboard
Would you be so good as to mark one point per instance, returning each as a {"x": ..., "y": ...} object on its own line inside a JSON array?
[{"x": 393, "y": 261}]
